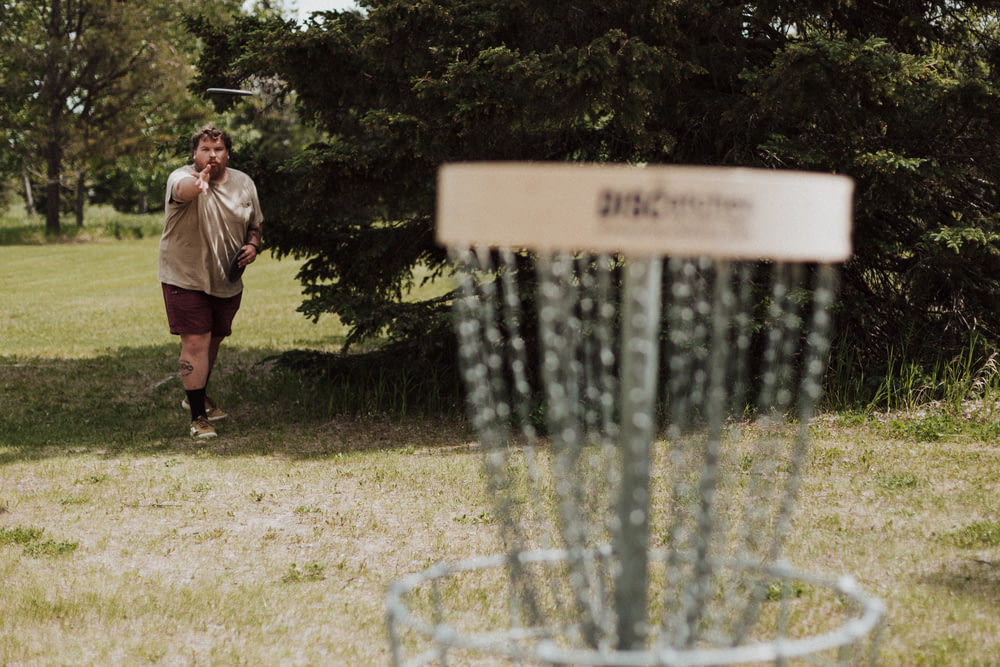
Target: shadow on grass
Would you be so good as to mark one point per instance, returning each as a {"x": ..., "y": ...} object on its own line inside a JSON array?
[
  {"x": 298, "y": 405},
  {"x": 970, "y": 577}
]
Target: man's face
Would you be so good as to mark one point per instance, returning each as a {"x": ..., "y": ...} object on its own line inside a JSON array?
[{"x": 212, "y": 152}]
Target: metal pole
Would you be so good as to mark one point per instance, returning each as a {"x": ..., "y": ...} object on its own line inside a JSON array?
[{"x": 640, "y": 354}]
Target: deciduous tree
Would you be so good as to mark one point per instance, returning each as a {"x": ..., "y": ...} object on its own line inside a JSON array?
[{"x": 85, "y": 82}]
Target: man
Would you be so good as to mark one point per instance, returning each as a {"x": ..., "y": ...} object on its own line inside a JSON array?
[{"x": 212, "y": 211}]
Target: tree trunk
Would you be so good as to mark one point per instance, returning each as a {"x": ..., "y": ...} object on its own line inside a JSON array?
[
  {"x": 81, "y": 196},
  {"x": 53, "y": 158},
  {"x": 29, "y": 199}
]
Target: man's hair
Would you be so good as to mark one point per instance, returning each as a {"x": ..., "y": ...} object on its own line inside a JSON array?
[{"x": 213, "y": 133}]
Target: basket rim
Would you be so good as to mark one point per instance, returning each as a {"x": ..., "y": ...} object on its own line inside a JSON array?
[{"x": 500, "y": 643}]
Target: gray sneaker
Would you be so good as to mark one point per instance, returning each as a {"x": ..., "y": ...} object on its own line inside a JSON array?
[
  {"x": 202, "y": 428},
  {"x": 215, "y": 413}
]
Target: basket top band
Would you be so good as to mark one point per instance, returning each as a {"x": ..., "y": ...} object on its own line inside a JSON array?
[{"x": 721, "y": 212}]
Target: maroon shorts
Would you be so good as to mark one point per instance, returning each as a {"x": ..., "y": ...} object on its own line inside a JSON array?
[{"x": 193, "y": 312}]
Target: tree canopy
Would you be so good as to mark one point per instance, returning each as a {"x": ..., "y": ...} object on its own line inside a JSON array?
[
  {"x": 91, "y": 84},
  {"x": 901, "y": 96}
]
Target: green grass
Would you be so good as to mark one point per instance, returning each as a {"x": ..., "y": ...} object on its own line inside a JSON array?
[
  {"x": 122, "y": 541},
  {"x": 71, "y": 300},
  {"x": 87, "y": 357},
  {"x": 19, "y": 535},
  {"x": 97, "y": 306},
  {"x": 954, "y": 386},
  {"x": 979, "y": 534}
]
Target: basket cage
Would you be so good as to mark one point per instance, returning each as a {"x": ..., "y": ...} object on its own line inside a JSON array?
[{"x": 644, "y": 423}]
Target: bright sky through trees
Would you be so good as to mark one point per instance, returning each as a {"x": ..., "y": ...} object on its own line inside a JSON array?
[{"x": 305, "y": 7}]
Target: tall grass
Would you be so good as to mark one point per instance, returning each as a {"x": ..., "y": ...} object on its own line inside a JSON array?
[
  {"x": 965, "y": 387},
  {"x": 100, "y": 222}
]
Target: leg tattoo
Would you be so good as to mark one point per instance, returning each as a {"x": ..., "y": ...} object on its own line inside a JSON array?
[{"x": 186, "y": 367}]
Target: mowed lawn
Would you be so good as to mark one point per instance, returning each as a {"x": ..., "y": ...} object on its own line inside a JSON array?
[
  {"x": 124, "y": 542},
  {"x": 78, "y": 300}
]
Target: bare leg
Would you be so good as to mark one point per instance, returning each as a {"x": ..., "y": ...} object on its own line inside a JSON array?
[
  {"x": 213, "y": 353},
  {"x": 198, "y": 355},
  {"x": 196, "y": 359}
]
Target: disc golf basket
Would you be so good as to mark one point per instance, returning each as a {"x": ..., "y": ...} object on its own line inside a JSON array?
[{"x": 642, "y": 350}]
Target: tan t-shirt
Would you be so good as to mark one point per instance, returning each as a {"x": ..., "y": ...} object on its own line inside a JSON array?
[{"x": 200, "y": 236}]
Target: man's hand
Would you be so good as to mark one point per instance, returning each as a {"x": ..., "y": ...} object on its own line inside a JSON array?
[
  {"x": 185, "y": 190},
  {"x": 248, "y": 255},
  {"x": 251, "y": 246},
  {"x": 202, "y": 177}
]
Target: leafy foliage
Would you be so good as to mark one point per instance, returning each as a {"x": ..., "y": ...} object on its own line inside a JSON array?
[
  {"x": 93, "y": 87},
  {"x": 901, "y": 96}
]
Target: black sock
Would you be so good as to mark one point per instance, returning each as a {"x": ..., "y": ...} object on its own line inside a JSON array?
[{"x": 196, "y": 399}]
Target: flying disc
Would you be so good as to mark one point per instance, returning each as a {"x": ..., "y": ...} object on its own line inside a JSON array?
[
  {"x": 235, "y": 270},
  {"x": 229, "y": 91}
]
